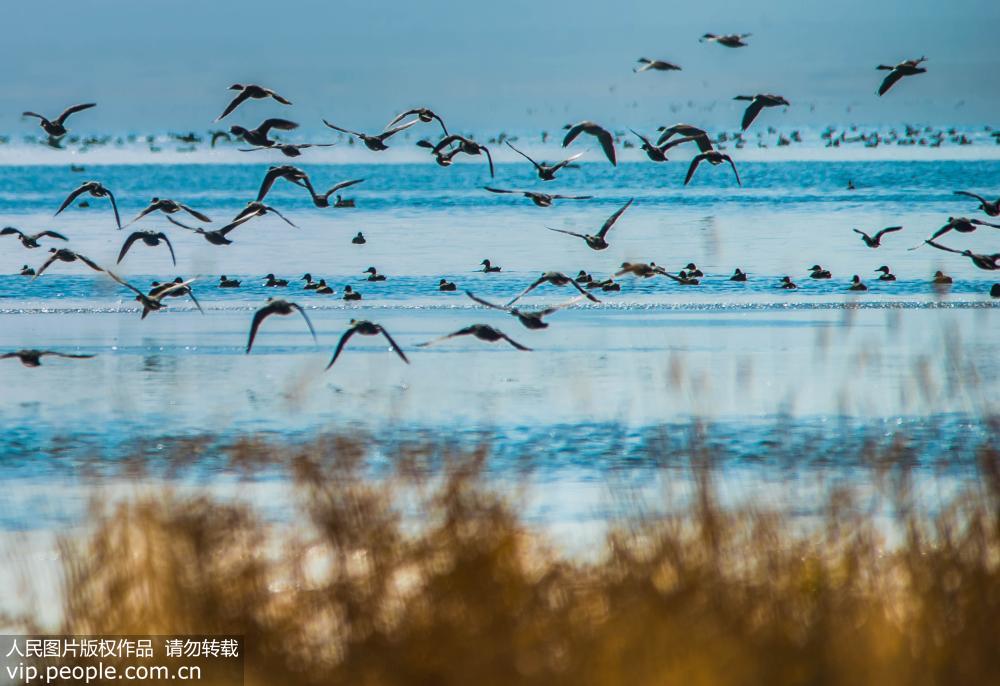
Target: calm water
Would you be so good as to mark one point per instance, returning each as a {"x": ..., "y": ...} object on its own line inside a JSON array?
[{"x": 602, "y": 382}]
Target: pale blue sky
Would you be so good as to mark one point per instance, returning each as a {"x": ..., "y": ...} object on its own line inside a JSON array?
[{"x": 516, "y": 64}]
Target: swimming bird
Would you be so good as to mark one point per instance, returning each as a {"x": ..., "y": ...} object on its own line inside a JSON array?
[
  {"x": 464, "y": 145},
  {"x": 323, "y": 199},
  {"x": 556, "y": 279},
  {"x": 876, "y": 240},
  {"x": 757, "y": 103},
  {"x": 272, "y": 282},
  {"x": 731, "y": 40},
  {"x": 351, "y": 294},
  {"x": 817, "y": 272},
  {"x": 287, "y": 172},
  {"x": 904, "y": 68},
  {"x": 423, "y": 114},
  {"x": 96, "y": 190},
  {"x": 310, "y": 284},
  {"x": 66, "y": 255},
  {"x": 546, "y": 172},
  {"x": 445, "y": 285},
  {"x": 683, "y": 278},
  {"x": 150, "y": 238},
  {"x": 986, "y": 262},
  {"x": 375, "y": 143},
  {"x": 30, "y": 240},
  {"x": 226, "y": 282},
  {"x": 598, "y": 241},
  {"x": 276, "y": 306},
  {"x": 26, "y": 271},
  {"x": 640, "y": 269},
  {"x": 366, "y": 328},
  {"x": 530, "y": 320},
  {"x": 692, "y": 270},
  {"x": 33, "y": 358},
  {"x": 857, "y": 285},
  {"x": 995, "y": 290},
  {"x": 887, "y": 275},
  {"x": 992, "y": 209},
  {"x": 247, "y": 92},
  {"x": 610, "y": 285},
  {"x": 540, "y": 199},
  {"x": 602, "y": 135},
  {"x": 713, "y": 157},
  {"x": 153, "y": 301},
  {"x": 56, "y": 127},
  {"x": 359, "y": 239},
  {"x": 481, "y": 331},
  {"x": 738, "y": 275},
  {"x": 941, "y": 279},
  {"x": 583, "y": 277},
  {"x": 489, "y": 267},
  {"x": 658, "y": 65},
  {"x": 323, "y": 289},
  {"x": 373, "y": 274},
  {"x": 168, "y": 207},
  {"x": 786, "y": 283},
  {"x": 690, "y": 133},
  {"x": 258, "y": 137}
]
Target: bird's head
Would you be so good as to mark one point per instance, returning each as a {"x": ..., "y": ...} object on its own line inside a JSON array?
[
  {"x": 815, "y": 268},
  {"x": 370, "y": 270},
  {"x": 236, "y": 87},
  {"x": 237, "y": 130},
  {"x": 884, "y": 269}
]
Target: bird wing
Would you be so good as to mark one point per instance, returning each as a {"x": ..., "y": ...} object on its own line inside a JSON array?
[
  {"x": 48, "y": 262},
  {"x": 941, "y": 247},
  {"x": 536, "y": 165},
  {"x": 400, "y": 117},
  {"x": 33, "y": 114},
  {"x": 571, "y": 197},
  {"x": 125, "y": 283},
  {"x": 342, "y": 185},
  {"x": 733, "y": 165},
  {"x": 283, "y": 101},
  {"x": 340, "y": 345},
  {"x": 133, "y": 237},
  {"x": 571, "y": 158},
  {"x": 197, "y": 304},
  {"x": 177, "y": 223},
  {"x": 194, "y": 213},
  {"x": 489, "y": 158},
  {"x": 8, "y": 230},
  {"x": 142, "y": 214},
  {"x": 572, "y": 134},
  {"x": 972, "y": 195},
  {"x": 280, "y": 124},
  {"x": 53, "y": 234},
  {"x": 166, "y": 240},
  {"x": 513, "y": 342},
  {"x": 304, "y": 316},
  {"x": 694, "y": 165},
  {"x": 446, "y": 141},
  {"x": 395, "y": 348},
  {"x": 584, "y": 293},
  {"x": 877, "y": 237},
  {"x": 402, "y": 127},
  {"x": 613, "y": 218},
  {"x": 608, "y": 143},
  {"x": 258, "y": 317},
  {"x": 237, "y": 101},
  {"x": 342, "y": 130},
  {"x": 555, "y": 308},
  {"x": 114, "y": 206},
  {"x": 461, "y": 332},
  {"x": 72, "y": 356},
  {"x": 891, "y": 78},
  {"x": 499, "y": 190},
  {"x": 265, "y": 185},
  {"x": 283, "y": 217},
  {"x": 752, "y": 110},
  {"x": 527, "y": 290},
  {"x": 72, "y": 196},
  {"x": 75, "y": 108},
  {"x": 90, "y": 263},
  {"x": 486, "y": 303},
  {"x": 568, "y": 233}
]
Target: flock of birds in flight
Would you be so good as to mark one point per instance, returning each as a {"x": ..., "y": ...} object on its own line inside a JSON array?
[{"x": 444, "y": 151}]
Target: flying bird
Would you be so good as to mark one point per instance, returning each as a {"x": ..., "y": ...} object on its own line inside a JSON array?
[
  {"x": 288, "y": 173},
  {"x": 247, "y": 92},
  {"x": 713, "y": 157},
  {"x": 377, "y": 142},
  {"x": 323, "y": 199},
  {"x": 693, "y": 133},
  {"x": 259, "y": 136},
  {"x": 481, "y": 331},
  {"x": 658, "y": 65},
  {"x": 168, "y": 207},
  {"x": 153, "y": 301},
  {"x": 30, "y": 240},
  {"x": 757, "y": 103},
  {"x": 530, "y": 320},
  {"x": 33, "y": 358},
  {"x": 96, "y": 190},
  {"x": 732, "y": 40},
  {"x": 598, "y": 241},
  {"x": 540, "y": 199},
  {"x": 150, "y": 238},
  {"x": 602, "y": 135},
  {"x": 546, "y": 172},
  {"x": 366, "y": 328},
  {"x": 463, "y": 145},
  {"x": 876, "y": 240},
  {"x": 423, "y": 114},
  {"x": 66, "y": 255},
  {"x": 905, "y": 68},
  {"x": 992, "y": 209},
  {"x": 556, "y": 279},
  {"x": 56, "y": 127},
  {"x": 276, "y": 306},
  {"x": 658, "y": 153}
]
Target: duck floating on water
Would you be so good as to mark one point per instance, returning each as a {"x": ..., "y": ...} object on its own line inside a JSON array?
[
  {"x": 226, "y": 282},
  {"x": 887, "y": 274},
  {"x": 272, "y": 282}
]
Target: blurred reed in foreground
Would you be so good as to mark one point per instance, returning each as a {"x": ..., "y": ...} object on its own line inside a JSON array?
[{"x": 464, "y": 591}]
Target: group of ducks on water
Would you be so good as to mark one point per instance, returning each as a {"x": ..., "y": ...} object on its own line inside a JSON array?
[{"x": 444, "y": 150}]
